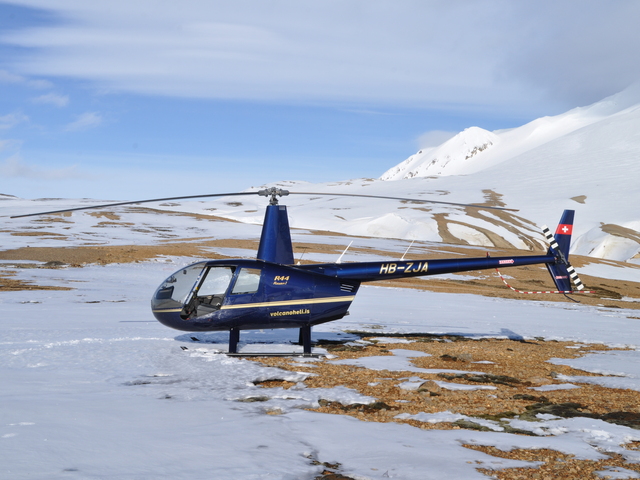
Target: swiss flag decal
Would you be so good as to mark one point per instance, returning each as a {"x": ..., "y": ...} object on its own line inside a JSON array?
[{"x": 564, "y": 229}]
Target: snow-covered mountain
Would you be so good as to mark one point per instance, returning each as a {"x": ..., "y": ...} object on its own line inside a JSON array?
[
  {"x": 457, "y": 155},
  {"x": 476, "y": 149},
  {"x": 587, "y": 159}
]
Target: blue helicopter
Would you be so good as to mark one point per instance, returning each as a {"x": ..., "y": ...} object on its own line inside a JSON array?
[{"x": 273, "y": 292}]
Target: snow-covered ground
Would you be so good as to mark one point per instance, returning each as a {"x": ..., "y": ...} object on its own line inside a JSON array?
[{"x": 93, "y": 387}]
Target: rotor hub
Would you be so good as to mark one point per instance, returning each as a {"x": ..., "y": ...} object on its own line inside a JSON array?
[{"x": 274, "y": 193}]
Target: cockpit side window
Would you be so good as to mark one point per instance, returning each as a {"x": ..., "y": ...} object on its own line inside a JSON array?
[
  {"x": 216, "y": 281},
  {"x": 248, "y": 281},
  {"x": 209, "y": 294}
]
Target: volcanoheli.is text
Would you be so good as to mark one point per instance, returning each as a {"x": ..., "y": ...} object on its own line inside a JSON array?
[{"x": 304, "y": 311}]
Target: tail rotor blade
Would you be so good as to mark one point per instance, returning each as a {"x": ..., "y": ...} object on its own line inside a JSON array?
[
  {"x": 570, "y": 270},
  {"x": 574, "y": 277}
]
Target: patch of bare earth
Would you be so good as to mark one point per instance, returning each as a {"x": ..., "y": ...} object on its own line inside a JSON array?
[
  {"x": 555, "y": 465},
  {"x": 102, "y": 255},
  {"x": 9, "y": 284},
  {"x": 512, "y": 367}
]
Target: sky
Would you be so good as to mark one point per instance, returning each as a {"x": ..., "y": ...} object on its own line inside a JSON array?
[{"x": 127, "y": 100}]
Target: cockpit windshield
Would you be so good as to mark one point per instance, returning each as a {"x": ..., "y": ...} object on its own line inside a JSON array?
[{"x": 174, "y": 291}]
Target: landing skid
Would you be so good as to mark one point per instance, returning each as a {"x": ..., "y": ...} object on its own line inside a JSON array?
[{"x": 292, "y": 354}]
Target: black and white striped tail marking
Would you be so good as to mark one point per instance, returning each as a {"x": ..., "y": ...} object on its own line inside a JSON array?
[
  {"x": 550, "y": 238},
  {"x": 572, "y": 272},
  {"x": 574, "y": 277}
]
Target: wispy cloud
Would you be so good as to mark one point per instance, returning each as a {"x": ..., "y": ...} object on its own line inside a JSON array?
[
  {"x": 10, "y": 144},
  {"x": 12, "y": 119},
  {"x": 39, "y": 84},
  {"x": 8, "y": 77},
  {"x": 15, "y": 167},
  {"x": 85, "y": 121},
  {"x": 434, "y": 138},
  {"x": 496, "y": 53},
  {"x": 52, "y": 99}
]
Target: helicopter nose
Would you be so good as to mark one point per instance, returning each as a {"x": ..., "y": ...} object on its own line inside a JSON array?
[{"x": 170, "y": 319}]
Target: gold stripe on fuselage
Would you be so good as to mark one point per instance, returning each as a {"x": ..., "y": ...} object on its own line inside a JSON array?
[
  {"x": 303, "y": 301},
  {"x": 284, "y": 303}
]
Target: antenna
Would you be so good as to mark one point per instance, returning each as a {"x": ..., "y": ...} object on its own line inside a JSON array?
[
  {"x": 345, "y": 251},
  {"x": 304, "y": 250},
  {"x": 408, "y": 249}
]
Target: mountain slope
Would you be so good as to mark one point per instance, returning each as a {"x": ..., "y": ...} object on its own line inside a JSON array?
[
  {"x": 587, "y": 159},
  {"x": 476, "y": 149}
]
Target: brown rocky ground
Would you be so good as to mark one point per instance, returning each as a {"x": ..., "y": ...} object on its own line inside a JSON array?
[{"x": 516, "y": 367}]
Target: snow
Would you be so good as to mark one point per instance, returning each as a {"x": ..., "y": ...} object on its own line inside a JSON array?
[
  {"x": 617, "y": 472},
  {"x": 457, "y": 155},
  {"x": 98, "y": 389},
  {"x": 552, "y": 388}
]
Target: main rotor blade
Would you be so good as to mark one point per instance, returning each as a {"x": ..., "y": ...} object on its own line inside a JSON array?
[
  {"x": 405, "y": 199},
  {"x": 106, "y": 205},
  {"x": 269, "y": 192}
]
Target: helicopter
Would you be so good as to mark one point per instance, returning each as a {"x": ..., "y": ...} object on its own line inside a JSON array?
[{"x": 272, "y": 292}]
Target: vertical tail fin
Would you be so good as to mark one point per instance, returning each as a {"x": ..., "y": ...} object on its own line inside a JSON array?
[
  {"x": 561, "y": 240},
  {"x": 561, "y": 271}
]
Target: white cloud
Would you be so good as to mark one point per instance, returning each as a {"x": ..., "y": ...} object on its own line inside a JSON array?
[
  {"x": 8, "y": 77},
  {"x": 39, "y": 84},
  {"x": 52, "y": 99},
  {"x": 84, "y": 122},
  {"x": 434, "y": 138},
  {"x": 15, "y": 167},
  {"x": 10, "y": 145},
  {"x": 12, "y": 119},
  {"x": 498, "y": 53}
]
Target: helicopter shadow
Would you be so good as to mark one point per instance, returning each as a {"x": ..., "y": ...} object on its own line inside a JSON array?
[
  {"x": 285, "y": 337},
  {"x": 504, "y": 332},
  {"x": 282, "y": 337}
]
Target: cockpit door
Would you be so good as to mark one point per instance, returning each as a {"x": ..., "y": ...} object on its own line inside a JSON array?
[{"x": 209, "y": 294}]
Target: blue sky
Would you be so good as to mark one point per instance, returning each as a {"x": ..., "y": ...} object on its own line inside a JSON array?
[{"x": 127, "y": 100}]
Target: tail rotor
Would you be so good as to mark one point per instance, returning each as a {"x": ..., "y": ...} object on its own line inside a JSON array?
[{"x": 561, "y": 271}]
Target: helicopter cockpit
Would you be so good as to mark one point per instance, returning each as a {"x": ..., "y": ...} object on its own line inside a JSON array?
[
  {"x": 209, "y": 292},
  {"x": 200, "y": 289}
]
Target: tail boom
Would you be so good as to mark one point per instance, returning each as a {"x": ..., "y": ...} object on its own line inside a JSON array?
[{"x": 372, "y": 271}]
